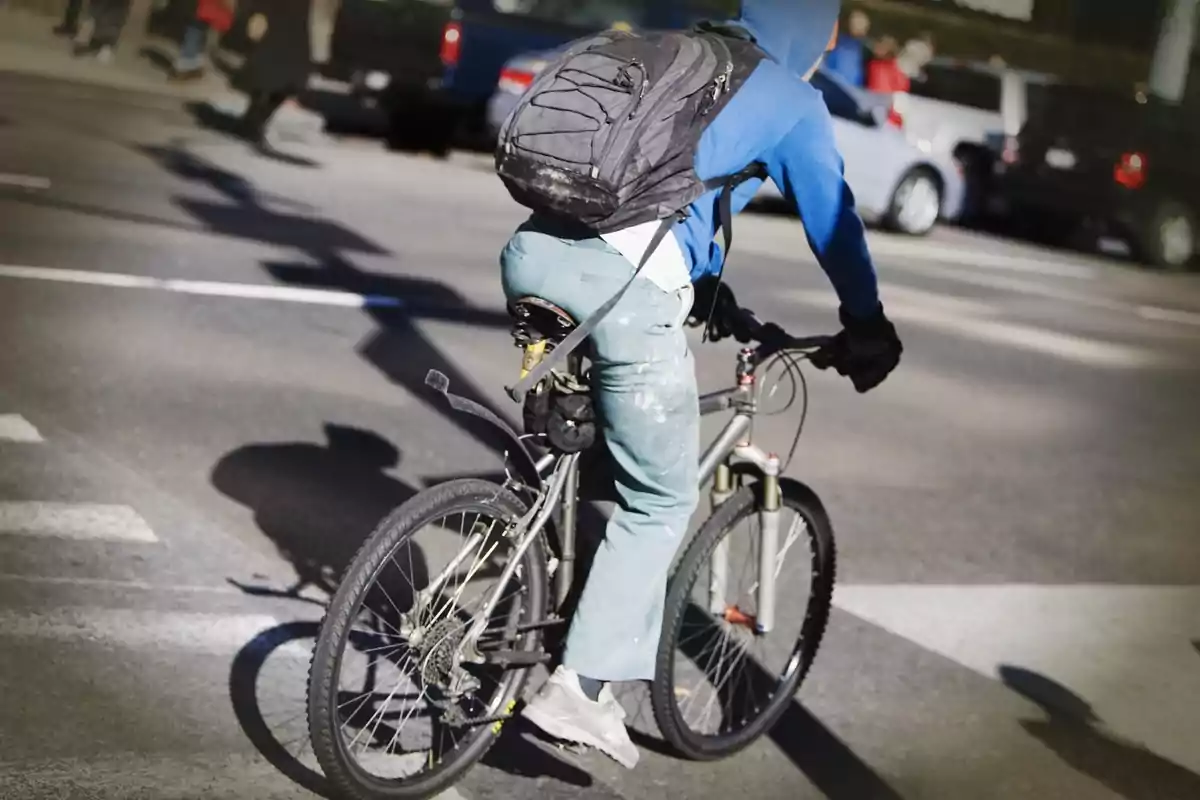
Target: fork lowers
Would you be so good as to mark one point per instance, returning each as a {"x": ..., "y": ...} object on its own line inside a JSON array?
[{"x": 768, "y": 548}]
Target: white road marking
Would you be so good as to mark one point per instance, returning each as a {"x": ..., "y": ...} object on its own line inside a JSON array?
[
  {"x": 250, "y": 291},
  {"x": 24, "y": 181},
  {"x": 1169, "y": 315},
  {"x": 106, "y": 583},
  {"x": 1127, "y": 651},
  {"x": 75, "y": 521},
  {"x": 1037, "y": 289},
  {"x": 969, "y": 257},
  {"x": 942, "y": 316},
  {"x": 15, "y": 428},
  {"x": 214, "y": 634}
]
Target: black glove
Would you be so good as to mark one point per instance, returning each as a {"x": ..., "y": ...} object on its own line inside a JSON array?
[
  {"x": 866, "y": 350},
  {"x": 715, "y": 300}
]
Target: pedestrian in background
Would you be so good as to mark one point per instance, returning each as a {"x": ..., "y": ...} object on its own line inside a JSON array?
[
  {"x": 917, "y": 52},
  {"x": 849, "y": 55},
  {"x": 70, "y": 22},
  {"x": 279, "y": 64},
  {"x": 102, "y": 30},
  {"x": 214, "y": 15},
  {"x": 884, "y": 74}
]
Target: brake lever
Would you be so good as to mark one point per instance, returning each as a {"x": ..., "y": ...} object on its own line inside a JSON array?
[{"x": 823, "y": 358}]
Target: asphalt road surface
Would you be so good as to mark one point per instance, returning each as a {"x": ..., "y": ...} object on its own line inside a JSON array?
[{"x": 211, "y": 389}]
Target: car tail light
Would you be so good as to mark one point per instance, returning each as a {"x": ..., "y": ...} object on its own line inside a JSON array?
[
  {"x": 451, "y": 43},
  {"x": 1130, "y": 171},
  {"x": 515, "y": 80}
]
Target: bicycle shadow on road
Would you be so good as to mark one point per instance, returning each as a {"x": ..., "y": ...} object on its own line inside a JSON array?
[
  {"x": 279, "y": 734},
  {"x": 826, "y": 761},
  {"x": 1071, "y": 729},
  {"x": 268, "y": 692}
]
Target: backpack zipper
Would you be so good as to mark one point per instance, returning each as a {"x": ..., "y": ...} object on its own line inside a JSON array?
[
  {"x": 595, "y": 171},
  {"x": 635, "y": 105}
]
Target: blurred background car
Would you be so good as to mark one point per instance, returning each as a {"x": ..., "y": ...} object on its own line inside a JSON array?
[
  {"x": 965, "y": 110},
  {"x": 430, "y": 67},
  {"x": 895, "y": 183},
  {"x": 1090, "y": 164}
]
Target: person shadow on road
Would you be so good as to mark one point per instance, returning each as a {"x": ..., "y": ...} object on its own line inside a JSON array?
[
  {"x": 317, "y": 503},
  {"x": 1073, "y": 731}
]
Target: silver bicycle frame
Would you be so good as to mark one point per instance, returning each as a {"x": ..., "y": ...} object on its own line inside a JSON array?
[{"x": 732, "y": 446}]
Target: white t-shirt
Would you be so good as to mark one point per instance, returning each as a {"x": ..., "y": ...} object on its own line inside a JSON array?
[{"x": 667, "y": 267}]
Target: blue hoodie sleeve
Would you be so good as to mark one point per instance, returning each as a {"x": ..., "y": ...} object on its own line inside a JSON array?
[{"x": 807, "y": 168}]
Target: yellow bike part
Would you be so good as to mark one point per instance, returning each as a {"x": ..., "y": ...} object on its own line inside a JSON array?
[{"x": 533, "y": 356}]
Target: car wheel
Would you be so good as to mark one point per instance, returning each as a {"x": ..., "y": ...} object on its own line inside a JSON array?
[
  {"x": 1169, "y": 241},
  {"x": 423, "y": 128},
  {"x": 916, "y": 203}
]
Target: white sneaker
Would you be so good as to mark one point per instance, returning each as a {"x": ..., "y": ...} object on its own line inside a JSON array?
[
  {"x": 105, "y": 55},
  {"x": 562, "y": 710}
]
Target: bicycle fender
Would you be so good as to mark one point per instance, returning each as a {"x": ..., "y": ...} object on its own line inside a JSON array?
[{"x": 518, "y": 453}]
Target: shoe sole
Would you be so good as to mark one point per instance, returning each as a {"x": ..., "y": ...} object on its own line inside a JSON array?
[{"x": 555, "y": 727}]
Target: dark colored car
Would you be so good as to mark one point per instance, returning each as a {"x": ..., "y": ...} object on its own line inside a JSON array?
[
  {"x": 1108, "y": 165},
  {"x": 431, "y": 66}
]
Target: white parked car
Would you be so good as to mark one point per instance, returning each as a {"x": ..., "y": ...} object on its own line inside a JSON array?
[{"x": 896, "y": 184}]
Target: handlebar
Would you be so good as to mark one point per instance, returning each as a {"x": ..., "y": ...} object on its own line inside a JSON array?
[{"x": 773, "y": 339}]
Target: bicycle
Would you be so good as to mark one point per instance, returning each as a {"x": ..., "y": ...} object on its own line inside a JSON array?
[{"x": 448, "y": 648}]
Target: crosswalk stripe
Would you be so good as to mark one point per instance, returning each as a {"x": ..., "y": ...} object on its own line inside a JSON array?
[
  {"x": 211, "y": 633},
  {"x": 15, "y": 428},
  {"x": 143, "y": 775},
  {"x": 128, "y": 775},
  {"x": 944, "y": 317},
  {"x": 87, "y": 521},
  {"x": 1125, "y": 651},
  {"x": 108, "y": 583}
]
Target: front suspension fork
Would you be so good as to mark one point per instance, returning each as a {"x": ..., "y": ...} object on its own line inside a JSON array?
[{"x": 768, "y": 516}]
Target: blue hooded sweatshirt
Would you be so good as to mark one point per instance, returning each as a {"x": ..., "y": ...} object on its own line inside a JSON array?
[{"x": 778, "y": 118}]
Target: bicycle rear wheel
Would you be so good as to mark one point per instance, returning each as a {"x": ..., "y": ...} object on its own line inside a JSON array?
[
  {"x": 407, "y": 643},
  {"x": 702, "y": 647}
]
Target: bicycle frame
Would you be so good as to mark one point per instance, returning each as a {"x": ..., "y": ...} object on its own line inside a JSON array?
[{"x": 555, "y": 482}]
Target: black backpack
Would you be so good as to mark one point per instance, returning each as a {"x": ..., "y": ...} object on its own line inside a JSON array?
[{"x": 606, "y": 136}]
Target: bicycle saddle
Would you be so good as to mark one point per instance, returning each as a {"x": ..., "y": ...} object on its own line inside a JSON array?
[{"x": 539, "y": 320}]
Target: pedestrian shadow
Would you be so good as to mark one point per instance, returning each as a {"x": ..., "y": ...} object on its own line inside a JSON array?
[
  {"x": 317, "y": 503},
  {"x": 213, "y": 118},
  {"x": 158, "y": 57},
  {"x": 1070, "y": 729},
  {"x": 237, "y": 190},
  {"x": 397, "y": 347}
]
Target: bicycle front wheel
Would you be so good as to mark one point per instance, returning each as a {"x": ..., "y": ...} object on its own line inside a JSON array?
[
  {"x": 413, "y": 717},
  {"x": 719, "y": 684}
]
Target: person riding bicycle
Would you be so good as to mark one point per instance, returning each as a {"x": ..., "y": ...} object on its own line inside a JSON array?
[{"x": 643, "y": 374}]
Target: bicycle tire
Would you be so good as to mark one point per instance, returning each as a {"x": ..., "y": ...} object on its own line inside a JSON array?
[
  {"x": 346, "y": 778},
  {"x": 741, "y": 505}
]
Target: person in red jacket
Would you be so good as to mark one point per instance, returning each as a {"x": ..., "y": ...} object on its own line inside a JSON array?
[
  {"x": 210, "y": 14},
  {"x": 883, "y": 73}
]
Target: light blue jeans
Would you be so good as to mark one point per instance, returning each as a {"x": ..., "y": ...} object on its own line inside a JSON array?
[{"x": 644, "y": 382}]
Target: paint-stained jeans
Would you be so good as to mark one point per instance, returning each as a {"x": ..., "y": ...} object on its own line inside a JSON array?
[{"x": 644, "y": 381}]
